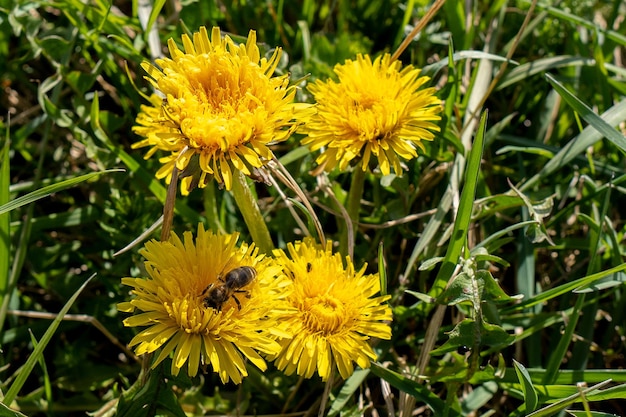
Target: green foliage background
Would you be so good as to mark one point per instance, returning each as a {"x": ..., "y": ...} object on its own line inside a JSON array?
[{"x": 539, "y": 206}]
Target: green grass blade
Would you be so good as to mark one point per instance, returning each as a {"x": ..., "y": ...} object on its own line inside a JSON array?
[
  {"x": 562, "y": 289},
  {"x": 464, "y": 215},
  {"x": 577, "y": 20},
  {"x": 38, "y": 351},
  {"x": 154, "y": 13},
  {"x": 50, "y": 189},
  {"x": 500, "y": 233},
  {"x": 590, "y": 414},
  {"x": 419, "y": 391},
  {"x": 347, "y": 391},
  {"x": 561, "y": 349},
  {"x": 47, "y": 386},
  {"x": 578, "y": 145},
  {"x": 5, "y": 219},
  {"x": 530, "y": 394},
  {"x": 5, "y": 411},
  {"x": 382, "y": 270},
  {"x": 529, "y": 69},
  {"x": 590, "y": 117},
  {"x": 613, "y": 393},
  {"x": 432, "y": 69},
  {"x": 571, "y": 377},
  {"x": 557, "y": 406}
]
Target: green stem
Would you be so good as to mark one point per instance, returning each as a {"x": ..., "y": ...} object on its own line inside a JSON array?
[
  {"x": 168, "y": 208},
  {"x": 211, "y": 209},
  {"x": 251, "y": 213},
  {"x": 353, "y": 204}
]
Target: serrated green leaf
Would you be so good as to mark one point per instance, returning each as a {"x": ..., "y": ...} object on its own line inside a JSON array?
[
  {"x": 168, "y": 401},
  {"x": 154, "y": 395},
  {"x": 474, "y": 334},
  {"x": 460, "y": 290},
  {"x": 55, "y": 47},
  {"x": 80, "y": 81},
  {"x": 536, "y": 232},
  {"x": 480, "y": 287},
  {"x": 491, "y": 289}
]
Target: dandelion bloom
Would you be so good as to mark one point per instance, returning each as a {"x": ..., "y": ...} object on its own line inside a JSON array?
[
  {"x": 173, "y": 303},
  {"x": 375, "y": 108},
  {"x": 219, "y": 109},
  {"x": 335, "y": 313}
]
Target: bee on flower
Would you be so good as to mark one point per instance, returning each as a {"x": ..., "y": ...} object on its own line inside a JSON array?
[{"x": 207, "y": 301}]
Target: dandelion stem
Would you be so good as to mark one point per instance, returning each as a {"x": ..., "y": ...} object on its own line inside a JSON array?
[
  {"x": 353, "y": 205},
  {"x": 210, "y": 208},
  {"x": 329, "y": 384},
  {"x": 251, "y": 213},
  {"x": 168, "y": 208}
]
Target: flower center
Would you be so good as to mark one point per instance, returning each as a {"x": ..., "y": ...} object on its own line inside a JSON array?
[
  {"x": 186, "y": 312},
  {"x": 324, "y": 314},
  {"x": 219, "y": 106}
]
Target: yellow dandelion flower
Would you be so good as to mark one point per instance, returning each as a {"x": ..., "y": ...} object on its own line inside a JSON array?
[
  {"x": 207, "y": 302},
  {"x": 335, "y": 313},
  {"x": 219, "y": 110},
  {"x": 376, "y": 108}
]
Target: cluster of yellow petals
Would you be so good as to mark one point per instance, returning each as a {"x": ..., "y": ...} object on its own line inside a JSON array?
[
  {"x": 171, "y": 303},
  {"x": 304, "y": 309},
  {"x": 376, "y": 108},
  {"x": 219, "y": 109},
  {"x": 335, "y": 311}
]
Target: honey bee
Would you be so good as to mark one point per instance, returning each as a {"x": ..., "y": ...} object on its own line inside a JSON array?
[{"x": 233, "y": 282}]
